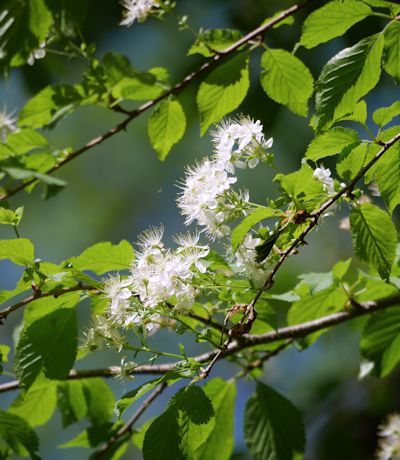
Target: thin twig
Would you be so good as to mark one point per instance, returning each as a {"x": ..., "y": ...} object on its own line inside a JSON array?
[
  {"x": 175, "y": 90},
  {"x": 127, "y": 428},
  {"x": 246, "y": 341},
  {"x": 316, "y": 215},
  {"x": 40, "y": 295}
]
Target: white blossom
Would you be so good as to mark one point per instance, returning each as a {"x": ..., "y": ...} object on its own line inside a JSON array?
[
  {"x": 136, "y": 10},
  {"x": 239, "y": 143},
  {"x": 245, "y": 260},
  {"x": 389, "y": 444},
  {"x": 39, "y": 53},
  {"x": 159, "y": 274},
  {"x": 7, "y": 123},
  {"x": 205, "y": 198},
  {"x": 324, "y": 176}
]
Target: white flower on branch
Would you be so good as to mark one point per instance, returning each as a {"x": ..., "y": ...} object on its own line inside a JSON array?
[
  {"x": 208, "y": 200},
  {"x": 7, "y": 123},
  {"x": 136, "y": 10},
  {"x": 39, "y": 53},
  {"x": 389, "y": 444},
  {"x": 240, "y": 143},
  {"x": 245, "y": 262},
  {"x": 159, "y": 274},
  {"x": 324, "y": 176}
]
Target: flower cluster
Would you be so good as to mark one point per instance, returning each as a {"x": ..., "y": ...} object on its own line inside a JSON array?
[
  {"x": 389, "y": 444},
  {"x": 240, "y": 143},
  {"x": 245, "y": 262},
  {"x": 158, "y": 275},
  {"x": 324, "y": 176},
  {"x": 207, "y": 197},
  {"x": 137, "y": 10}
]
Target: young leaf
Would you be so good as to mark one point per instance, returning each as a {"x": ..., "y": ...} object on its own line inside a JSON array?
[
  {"x": 332, "y": 142},
  {"x": 286, "y": 80},
  {"x": 211, "y": 40},
  {"x": 374, "y": 237},
  {"x": 104, "y": 257},
  {"x": 25, "y": 140},
  {"x": 132, "y": 396},
  {"x": 385, "y": 115},
  {"x": 391, "y": 60},
  {"x": 239, "y": 233},
  {"x": 346, "y": 78},
  {"x": 166, "y": 127},
  {"x": 332, "y": 20},
  {"x": 380, "y": 341},
  {"x": 41, "y": 395},
  {"x": 18, "y": 435},
  {"x": 223, "y": 90},
  {"x": 48, "y": 106},
  {"x": 273, "y": 428},
  {"x": 20, "y": 251},
  {"x": 50, "y": 343}
]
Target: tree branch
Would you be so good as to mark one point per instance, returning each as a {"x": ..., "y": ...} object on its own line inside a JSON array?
[
  {"x": 246, "y": 341},
  {"x": 40, "y": 295},
  {"x": 175, "y": 90},
  {"x": 127, "y": 428}
]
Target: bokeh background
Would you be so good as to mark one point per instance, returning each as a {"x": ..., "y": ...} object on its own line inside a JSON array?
[{"x": 119, "y": 188}]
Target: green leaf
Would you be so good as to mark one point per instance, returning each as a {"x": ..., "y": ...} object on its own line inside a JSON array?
[
  {"x": 90, "y": 398},
  {"x": 286, "y": 80},
  {"x": 100, "y": 400},
  {"x": 385, "y": 115},
  {"x": 162, "y": 438},
  {"x": 239, "y": 232},
  {"x": 166, "y": 436},
  {"x": 18, "y": 435},
  {"x": 105, "y": 257},
  {"x": 41, "y": 395},
  {"x": 350, "y": 162},
  {"x": 39, "y": 308},
  {"x": 387, "y": 176},
  {"x": 346, "y": 78},
  {"x": 49, "y": 105},
  {"x": 332, "y": 142},
  {"x": 380, "y": 341},
  {"x": 319, "y": 304},
  {"x": 223, "y": 90},
  {"x": 50, "y": 343},
  {"x": 23, "y": 27},
  {"x": 25, "y": 140},
  {"x": 222, "y": 395},
  {"x": 391, "y": 59},
  {"x": 211, "y": 40},
  {"x": 71, "y": 401},
  {"x": 166, "y": 127},
  {"x": 359, "y": 114},
  {"x": 4, "y": 351},
  {"x": 20, "y": 251},
  {"x": 132, "y": 396},
  {"x": 9, "y": 217},
  {"x": 273, "y": 428},
  {"x": 302, "y": 186},
  {"x": 331, "y": 21},
  {"x": 93, "y": 436},
  {"x": 374, "y": 237}
]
